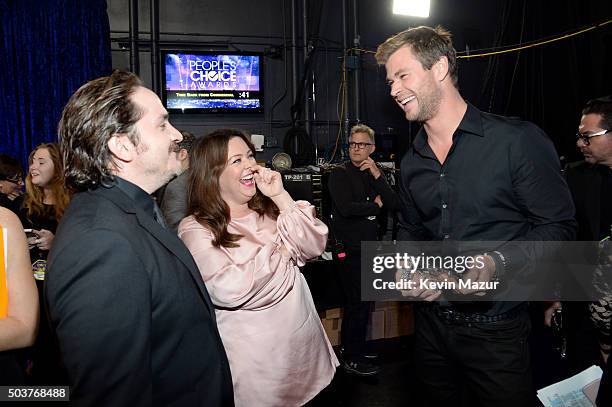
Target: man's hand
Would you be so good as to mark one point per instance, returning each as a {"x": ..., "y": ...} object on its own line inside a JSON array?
[
  {"x": 475, "y": 274},
  {"x": 369, "y": 164},
  {"x": 604, "y": 349},
  {"x": 378, "y": 201},
  {"x": 550, "y": 310},
  {"x": 418, "y": 293}
]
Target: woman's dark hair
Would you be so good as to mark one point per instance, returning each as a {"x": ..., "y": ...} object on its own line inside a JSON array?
[
  {"x": 96, "y": 112},
  {"x": 207, "y": 161}
]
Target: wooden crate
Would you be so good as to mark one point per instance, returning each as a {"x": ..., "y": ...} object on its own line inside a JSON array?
[{"x": 332, "y": 329}]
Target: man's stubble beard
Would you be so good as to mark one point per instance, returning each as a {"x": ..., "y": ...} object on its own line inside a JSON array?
[{"x": 428, "y": 104}]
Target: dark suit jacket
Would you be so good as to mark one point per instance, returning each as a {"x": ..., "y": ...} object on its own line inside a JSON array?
[
  {"x": 134, "y": 321},
  {"x": 585, "y": 182},
  {"x": 353, "y": 211},
  {"x": 174, "y": 201}
]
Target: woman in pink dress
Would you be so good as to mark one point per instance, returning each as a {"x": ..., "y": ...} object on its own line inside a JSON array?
[{"x": 248, "y": 237}]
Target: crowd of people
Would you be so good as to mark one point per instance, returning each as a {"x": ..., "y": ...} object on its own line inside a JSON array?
[{"x": 195, "y": 297}]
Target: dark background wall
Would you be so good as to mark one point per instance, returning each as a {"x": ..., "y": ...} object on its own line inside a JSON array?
[
  {"x": 243, "y": 24},
  {"x": 546, "y": 84}
]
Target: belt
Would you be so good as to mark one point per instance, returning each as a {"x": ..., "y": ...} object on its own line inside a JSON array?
[{"x": 450, "y": 315}]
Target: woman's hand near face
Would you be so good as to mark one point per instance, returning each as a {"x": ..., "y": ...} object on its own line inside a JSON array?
[{"x": 270, "y": 183}]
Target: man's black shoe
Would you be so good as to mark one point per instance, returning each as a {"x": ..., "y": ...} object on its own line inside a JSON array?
[
  {"x": 367, "y": 355},
  {"x": 360, "y": 368},
  {"x": 370, "y": 355}
]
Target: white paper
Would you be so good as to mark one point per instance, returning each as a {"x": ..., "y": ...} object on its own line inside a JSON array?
[{"x": 568, "y": 393}]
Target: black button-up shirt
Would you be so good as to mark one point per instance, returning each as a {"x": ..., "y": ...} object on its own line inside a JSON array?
[
  {"x": 143, "y": 200},
  {"x": 354, "y": 211},
  {"x": 501, "y": 181},
  {"x": 591, "y": 187}
]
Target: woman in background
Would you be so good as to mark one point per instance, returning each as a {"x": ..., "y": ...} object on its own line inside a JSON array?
[
  {"x": 44, "y": 203},
  {"x": 248, "y": 237},
  {"x": 18, "y": 313}
]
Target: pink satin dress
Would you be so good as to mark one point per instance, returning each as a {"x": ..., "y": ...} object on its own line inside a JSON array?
[{"x": 278, "y": 352}]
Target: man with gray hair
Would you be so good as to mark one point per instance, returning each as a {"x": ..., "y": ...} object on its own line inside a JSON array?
[
  {"x": 359, "y": 194},
  {"x": 472, "y": 176}
]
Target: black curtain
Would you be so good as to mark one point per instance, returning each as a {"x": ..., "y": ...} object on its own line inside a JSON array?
[
  {"x": 48, "y": 49},
  {"x": 550, "y": 84}
]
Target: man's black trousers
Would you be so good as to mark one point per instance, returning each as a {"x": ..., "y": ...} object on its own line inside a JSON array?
[
  {"x": 472, "y": 364},
  {"x": 356, "y": 312}
]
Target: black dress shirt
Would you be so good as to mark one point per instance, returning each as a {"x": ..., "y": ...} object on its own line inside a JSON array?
[
  {"x": 143, "y": 200},
  {"x": 354, "y": 211},
  {"x": 501, "y": 181},
  {"x": 591, "y": 187},
  {"x": 605, "y": 217}
]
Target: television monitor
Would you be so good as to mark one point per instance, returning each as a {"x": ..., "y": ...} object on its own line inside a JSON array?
[{"x": 216, "y": 82}]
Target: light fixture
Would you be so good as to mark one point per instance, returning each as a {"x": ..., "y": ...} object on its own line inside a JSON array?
[
  {"x": 281, "y": 162},
  {"x": 415, "y": 8}
]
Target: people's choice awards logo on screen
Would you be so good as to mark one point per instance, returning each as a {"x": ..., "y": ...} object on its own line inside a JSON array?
[
  {"x": 206, "y": 74},
  {"x": 215, "y": 82}
]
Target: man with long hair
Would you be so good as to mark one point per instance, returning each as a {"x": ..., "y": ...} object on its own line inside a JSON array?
[
  {"x": 359, "y": 194},
  {"x": 134, "y": 321}
]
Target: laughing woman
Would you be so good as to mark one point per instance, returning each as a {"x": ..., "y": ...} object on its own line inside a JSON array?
[{"x": 248, "y": 237}]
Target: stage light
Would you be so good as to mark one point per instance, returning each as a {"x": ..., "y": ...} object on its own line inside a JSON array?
[{"x": 415, "y": 8}]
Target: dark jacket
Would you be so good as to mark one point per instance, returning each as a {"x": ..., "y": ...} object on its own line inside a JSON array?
[
  {"x": 13, "y": 205},
  {"x": 353, "y": 208},
  {"x": 173, "y": 203},
  {"x": 588, "y": 184},
  {"x": 591, "y": 189},
  {"x": 134, "y": 321}
]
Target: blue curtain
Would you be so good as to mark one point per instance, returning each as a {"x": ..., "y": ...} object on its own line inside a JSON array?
[{"x": 47, "y": 50}]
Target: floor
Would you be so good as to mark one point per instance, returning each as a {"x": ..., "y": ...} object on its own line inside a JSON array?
[
  {"x": 396, "y": 384},
  {"x": 391, "y": 387}
]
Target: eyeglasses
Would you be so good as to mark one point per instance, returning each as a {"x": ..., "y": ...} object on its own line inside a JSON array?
[
  {"x": 15, "y": 179},
  {"x": 358, "y": 146},
  {"x": 586, "y": 137}
]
